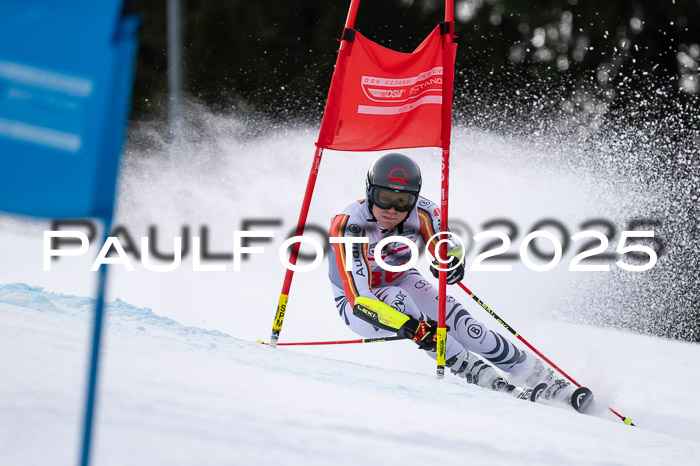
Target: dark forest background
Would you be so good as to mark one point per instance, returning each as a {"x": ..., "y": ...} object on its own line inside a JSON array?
[{"x": 276, "y": 58}]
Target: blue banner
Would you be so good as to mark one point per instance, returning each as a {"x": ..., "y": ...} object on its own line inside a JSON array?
[{"x": 66, "y": 72}]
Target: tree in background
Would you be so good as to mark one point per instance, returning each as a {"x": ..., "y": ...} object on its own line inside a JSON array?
[{"x": 277, "y": 57}]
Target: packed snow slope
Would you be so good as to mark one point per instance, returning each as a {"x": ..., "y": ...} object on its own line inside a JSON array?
[
  {"x": 173, "y": 394},
  {"x": 184, "y": 382}
]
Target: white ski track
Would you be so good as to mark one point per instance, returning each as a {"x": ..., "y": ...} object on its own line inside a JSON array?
[{"x": 173, "y": 394}]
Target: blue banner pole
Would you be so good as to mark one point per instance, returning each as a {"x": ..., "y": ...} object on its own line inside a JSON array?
[{"x": 89, "y": 413}]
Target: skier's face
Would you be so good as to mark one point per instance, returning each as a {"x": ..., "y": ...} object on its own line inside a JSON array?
[{"x": 388, "y": 218}]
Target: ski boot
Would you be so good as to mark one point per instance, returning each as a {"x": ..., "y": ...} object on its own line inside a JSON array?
[{"x": 474, "y": 370}]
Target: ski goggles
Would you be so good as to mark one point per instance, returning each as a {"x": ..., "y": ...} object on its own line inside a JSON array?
[{"x": 386, "y": 199}]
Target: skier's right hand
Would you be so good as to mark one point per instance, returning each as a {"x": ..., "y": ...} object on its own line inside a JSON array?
[{"x": 422, "y": 332}]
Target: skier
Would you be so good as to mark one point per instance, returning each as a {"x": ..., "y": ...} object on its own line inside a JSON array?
[{"x": 375, "y": 302}]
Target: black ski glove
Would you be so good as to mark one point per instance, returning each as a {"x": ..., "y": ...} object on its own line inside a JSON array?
[
  {"x": 423, "y": 332},
  {"x": 453, "y": 276}
]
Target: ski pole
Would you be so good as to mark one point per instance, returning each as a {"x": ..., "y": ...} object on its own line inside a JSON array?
[
  {"x": 624, "y": 419},
  {"x": 338, "y": 342}
]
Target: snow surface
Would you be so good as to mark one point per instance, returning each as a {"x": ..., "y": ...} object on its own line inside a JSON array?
[
  {"x": 184, "y": 383},
  {"x": 182, "y": 395}
]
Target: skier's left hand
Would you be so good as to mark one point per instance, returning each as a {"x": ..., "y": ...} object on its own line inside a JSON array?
[{"x": 453, "y": 276}]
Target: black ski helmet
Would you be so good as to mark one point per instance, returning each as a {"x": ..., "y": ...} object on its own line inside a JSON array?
[{"x": 395, "y": 172}]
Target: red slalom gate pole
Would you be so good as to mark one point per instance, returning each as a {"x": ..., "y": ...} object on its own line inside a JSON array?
[
  {"x": 442, "y": 253},
  {"x": 338, "y": 342},
  {"x": 352, "y": 14},
  {"x": 286, "y": 286},
  {"x": 448, "y": 80},
  {"x": 624, "y": 419},
  {"x": 284, "y": 296}
]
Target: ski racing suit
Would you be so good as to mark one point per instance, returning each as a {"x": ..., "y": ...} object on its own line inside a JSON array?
[{"x": 408, "y": 292}]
